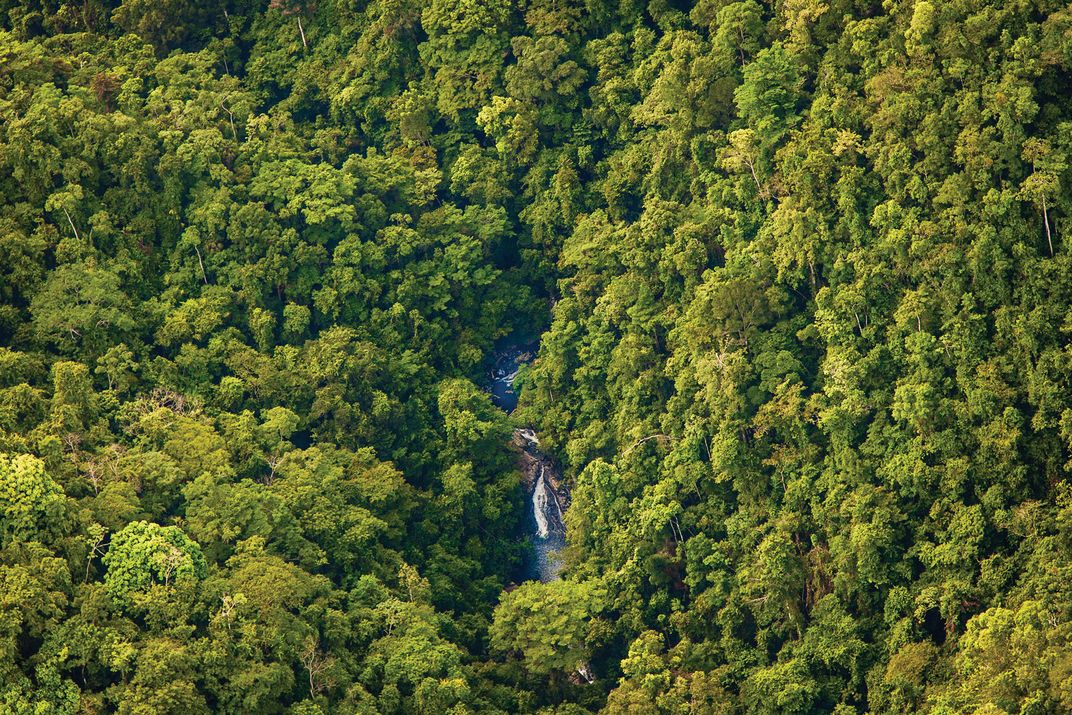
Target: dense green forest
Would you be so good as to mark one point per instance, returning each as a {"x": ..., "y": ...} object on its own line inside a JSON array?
[{"x": 801, "y": 273}]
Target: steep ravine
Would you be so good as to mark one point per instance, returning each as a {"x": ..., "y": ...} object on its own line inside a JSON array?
[{"x": 548, "y": 498}]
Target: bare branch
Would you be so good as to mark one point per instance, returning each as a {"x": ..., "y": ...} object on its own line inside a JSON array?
[
  {"x": 201, "y": 263},
  {"x": 70, "y": 221},
  {"x": 1046, "y": 221},
  {"x": 650, "y": 437}
]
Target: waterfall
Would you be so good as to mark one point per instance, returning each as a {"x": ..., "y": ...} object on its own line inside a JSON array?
[
  {"x": 539, "y": 506},
  {"x": 549, "y": 537},
  {"x": 545, "y": 508}
]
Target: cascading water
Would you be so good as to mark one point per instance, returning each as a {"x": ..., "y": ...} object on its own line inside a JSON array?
[
  {"x": 548, "y": 530},
  {"x": 540, "y": 506}
]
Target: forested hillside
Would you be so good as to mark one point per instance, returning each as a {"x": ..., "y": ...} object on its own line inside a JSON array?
[{"x": 801, "y": 273}]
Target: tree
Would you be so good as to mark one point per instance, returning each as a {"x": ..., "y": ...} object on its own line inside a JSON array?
[
  {"x": 144, "y": 553},
  {"x": 82, "y": 304},
  {"x": 767, "y": 100},
  {"x": 548, "y": 624},
  {"x": 32, "y": 504},
  {"x": 165, "y": 25},
  {"x": 464, "y": 51}
]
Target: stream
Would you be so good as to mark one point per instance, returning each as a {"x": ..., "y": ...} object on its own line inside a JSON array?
[{"x": 547, "y": 497}]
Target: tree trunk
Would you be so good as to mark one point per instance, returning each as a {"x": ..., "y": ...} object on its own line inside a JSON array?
[{"x": 1046, "y": 221}]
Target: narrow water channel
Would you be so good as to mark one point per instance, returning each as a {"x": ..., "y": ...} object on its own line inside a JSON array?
[{"x": 547, "y": 498}]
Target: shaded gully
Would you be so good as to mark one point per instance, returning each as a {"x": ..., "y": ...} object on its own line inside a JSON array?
[{"x": 548, "y": 497}]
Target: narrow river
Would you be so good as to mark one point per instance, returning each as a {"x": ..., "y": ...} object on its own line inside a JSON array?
[{"x": 547, "y": 497}]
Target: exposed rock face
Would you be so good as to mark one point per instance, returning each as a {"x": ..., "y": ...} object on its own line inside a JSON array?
[{"x": 537, "y": 467}]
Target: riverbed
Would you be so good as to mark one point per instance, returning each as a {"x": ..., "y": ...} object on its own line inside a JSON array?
[{"x": 547, "y": 500}]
